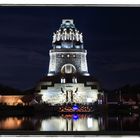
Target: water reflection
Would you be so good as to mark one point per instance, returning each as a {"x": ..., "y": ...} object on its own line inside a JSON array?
[
  {"x": 72, "y": 122},
  {"x": 19, "y": 123},
  {"x": 10, "y": 123}
]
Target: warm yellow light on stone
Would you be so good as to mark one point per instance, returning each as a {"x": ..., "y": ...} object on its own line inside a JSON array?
[{"x": 11, "y": 100}]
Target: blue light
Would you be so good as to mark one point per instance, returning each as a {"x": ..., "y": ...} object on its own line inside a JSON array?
[
  {"x": 75, "y": 107},
  {"x": 75, "y": 117}
]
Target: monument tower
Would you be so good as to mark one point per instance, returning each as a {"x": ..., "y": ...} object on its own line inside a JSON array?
[
  {"x": 68, "y": 55},
  {"x": 68, "y": 80}
]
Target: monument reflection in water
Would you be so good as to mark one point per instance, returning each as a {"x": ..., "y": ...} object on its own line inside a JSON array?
[{"x": 72, "y": 122}]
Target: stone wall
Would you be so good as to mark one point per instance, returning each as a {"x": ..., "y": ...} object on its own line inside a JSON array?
[
  {"x": 77, "y": 59},
  {"x": 57, "y": 93}
]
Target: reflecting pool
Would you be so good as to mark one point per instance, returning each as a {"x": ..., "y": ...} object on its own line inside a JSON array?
[{"x": 72, "y": 122}]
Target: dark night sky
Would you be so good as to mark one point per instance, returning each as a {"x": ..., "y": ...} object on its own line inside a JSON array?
[{"x": 111, "y": 37}]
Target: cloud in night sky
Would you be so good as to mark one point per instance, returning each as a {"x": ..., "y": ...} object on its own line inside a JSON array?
[{"x": 19, "y": 64}]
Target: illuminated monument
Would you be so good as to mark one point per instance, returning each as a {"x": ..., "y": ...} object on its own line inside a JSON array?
[
  {"x": 68, "y": 80},
  {"x": 68, "y": 55}
]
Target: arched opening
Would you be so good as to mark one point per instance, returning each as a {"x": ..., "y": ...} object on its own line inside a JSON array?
[{"x": 68, "y": 69}]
